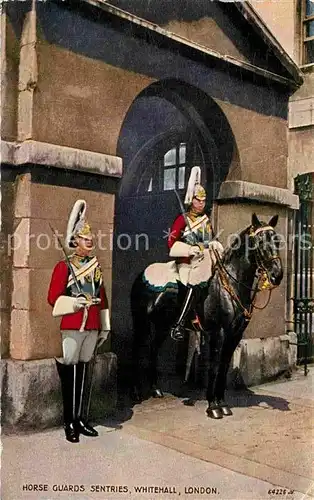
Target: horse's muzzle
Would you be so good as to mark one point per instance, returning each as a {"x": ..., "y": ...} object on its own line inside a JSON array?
[{"x": 276, "y": 272}]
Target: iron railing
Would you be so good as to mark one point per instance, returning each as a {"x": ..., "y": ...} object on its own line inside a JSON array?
[{"x": 304, "y": 270}]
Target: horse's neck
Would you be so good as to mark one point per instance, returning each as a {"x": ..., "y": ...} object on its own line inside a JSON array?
[{"x": 242, "y": 270}]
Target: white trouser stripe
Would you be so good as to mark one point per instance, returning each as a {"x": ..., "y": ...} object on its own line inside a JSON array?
[
  {"x": 74, "y": 386},
  {"x": 82, "y": 389}
]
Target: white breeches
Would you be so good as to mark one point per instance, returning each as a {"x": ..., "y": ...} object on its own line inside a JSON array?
[{"x": 78, "y": 346}]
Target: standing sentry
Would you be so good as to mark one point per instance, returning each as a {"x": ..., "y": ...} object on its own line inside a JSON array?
[{"x": 77, "y": 294}]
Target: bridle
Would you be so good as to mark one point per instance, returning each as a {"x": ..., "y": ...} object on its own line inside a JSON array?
[
  {"x": 262, "y": 263},
  {"x": 262, "y": 280}
]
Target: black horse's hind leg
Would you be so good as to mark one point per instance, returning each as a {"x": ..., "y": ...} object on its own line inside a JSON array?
[
  {"x": 141, "y": 357},
  {"x": 159, "y": 338},
  {"x": 228, "y": 349},
  {"x": 216, "y": 339},
  {"x": 147, "y": 342}
]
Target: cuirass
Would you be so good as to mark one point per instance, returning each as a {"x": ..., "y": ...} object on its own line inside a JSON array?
[
  {"x": 88, "y": 274},
  {"x": 201, "y": 229}
]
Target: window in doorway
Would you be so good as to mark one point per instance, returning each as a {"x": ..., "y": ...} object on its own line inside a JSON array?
[
  {"x": 174, "y": 166},
  {"x": 167, "y": 165},
  {"x": 307, "y": 14}
]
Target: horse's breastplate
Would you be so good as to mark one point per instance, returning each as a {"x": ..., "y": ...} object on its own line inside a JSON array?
[
  {"x": 201, "y": 229},
  {"x": 88, "y": 274}
]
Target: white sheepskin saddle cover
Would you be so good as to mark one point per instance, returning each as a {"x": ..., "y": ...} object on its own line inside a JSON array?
[{"x": 162, "y": 275}]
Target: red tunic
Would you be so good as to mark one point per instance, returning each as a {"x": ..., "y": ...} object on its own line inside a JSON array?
[
  {"x": 58, "y": 286},
  {"x": 177, "y": 229}
]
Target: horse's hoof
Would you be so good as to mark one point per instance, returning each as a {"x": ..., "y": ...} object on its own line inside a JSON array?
[
  {"x": 214, "y": 413},
  {"x": 226, "y": 410},
  {"x": 157, "y": 393}
]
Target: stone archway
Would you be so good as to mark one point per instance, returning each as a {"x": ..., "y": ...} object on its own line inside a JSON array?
[{"x": 170, "y": 127}]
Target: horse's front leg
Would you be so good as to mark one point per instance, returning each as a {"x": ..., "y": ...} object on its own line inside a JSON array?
[
  {"x": 216, "y": 339},
  {"x": 230, "y": 343}
]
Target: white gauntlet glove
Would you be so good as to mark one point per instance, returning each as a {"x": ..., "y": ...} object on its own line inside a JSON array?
[
  {"x": 79, "y": 303},
  {"x": 195, "y": 251},
  {"x": 102, "y": 337},
  {"x": 105, "y": 327},
  {"x": 68, "y": 305}
]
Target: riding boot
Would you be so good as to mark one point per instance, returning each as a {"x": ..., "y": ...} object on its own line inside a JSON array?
[
  {"x": 67, "y": 374},
  {"x": 83, "y": 389},
  {"x": 177, "y": 331}
]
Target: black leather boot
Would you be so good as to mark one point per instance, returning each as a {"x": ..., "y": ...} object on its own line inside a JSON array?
[
  {"x": 83, "y": 393},
  {"x": 67, "y": 374},
  {"x": 178, "y": 330}
]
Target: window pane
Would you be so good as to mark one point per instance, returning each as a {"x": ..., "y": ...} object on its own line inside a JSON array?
[
  {"x": 182, "y": 153},
  {"x": 309, "y": 52},
  {"x": 150, "y": 187},
  {"x": 310, "y": 28},
  {"x": 170, "y": 158},
  {"x": 309, "y": 8},
  {"x": 169, "y": 179},
  {"x": 181, "y": 177}
]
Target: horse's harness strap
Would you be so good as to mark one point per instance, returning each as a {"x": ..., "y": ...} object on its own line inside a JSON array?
[
  {"x": 226, "y": 284},
  {"x": 261, "y": 271},
  {"x": 262, "y": 228}
]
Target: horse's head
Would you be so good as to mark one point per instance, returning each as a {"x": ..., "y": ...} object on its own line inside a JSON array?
[{"x": 264, "y": 246}]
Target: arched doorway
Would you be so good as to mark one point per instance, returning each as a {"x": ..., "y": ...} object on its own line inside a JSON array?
[{"x": 170, "y": 127}]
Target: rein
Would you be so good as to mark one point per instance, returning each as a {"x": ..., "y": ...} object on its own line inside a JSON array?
[{"x": 261, "y": 283}]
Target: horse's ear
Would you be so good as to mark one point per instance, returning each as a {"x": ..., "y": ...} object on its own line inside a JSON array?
[
  {"x": 273, "y": 221},
  {"x": 255, "y": 221}
]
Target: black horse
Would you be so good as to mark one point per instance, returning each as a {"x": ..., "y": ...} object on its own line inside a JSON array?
[{"x": 225, "y": 310}]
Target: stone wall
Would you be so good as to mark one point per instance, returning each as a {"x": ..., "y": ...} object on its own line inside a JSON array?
[
  {"x": 301, "y": 132},
  {"x": 261, "y": 143},
  {"x": 81, "y": 102},
  {"x": 6, "y": 259},
  {"x": 280, "y": 17},
  {"x": 9, "y": 79}
]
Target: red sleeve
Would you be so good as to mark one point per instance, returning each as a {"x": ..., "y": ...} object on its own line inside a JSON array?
[
  {"x": 103, "y": 298},
  {"x": 176, "y": 230},
  {"x": 58, "y": 283}
]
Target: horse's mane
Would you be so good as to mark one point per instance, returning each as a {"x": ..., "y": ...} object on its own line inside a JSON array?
[{"x": 234, "y": 246}]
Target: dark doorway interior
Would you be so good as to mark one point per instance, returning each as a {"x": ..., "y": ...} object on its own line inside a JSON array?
[{"x": 169, "y": 128}]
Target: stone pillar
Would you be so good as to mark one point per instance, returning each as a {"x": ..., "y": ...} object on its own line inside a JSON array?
[
  {"x": 29, "y": 377},
  {"x": 267, "y": 335},
  {"x": 28, "y": 74}
]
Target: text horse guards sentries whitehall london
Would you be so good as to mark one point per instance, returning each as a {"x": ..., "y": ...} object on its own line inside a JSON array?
[{"x": 223, "y": 302}]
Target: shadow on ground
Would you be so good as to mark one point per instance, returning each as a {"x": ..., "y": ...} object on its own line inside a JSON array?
[{"x": 190, "y": 394}]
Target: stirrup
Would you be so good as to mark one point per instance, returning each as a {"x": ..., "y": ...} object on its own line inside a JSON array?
[{"x": 176, "y": 333}]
